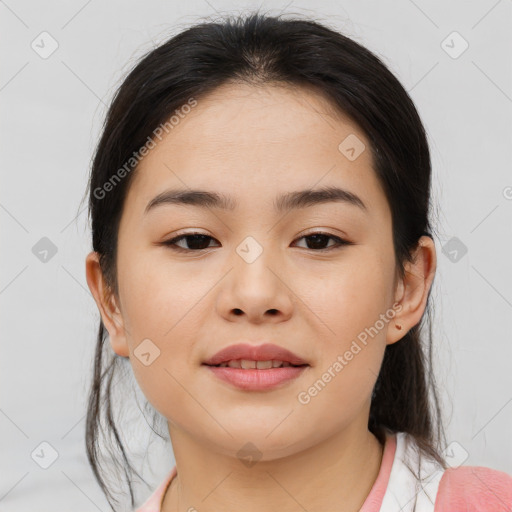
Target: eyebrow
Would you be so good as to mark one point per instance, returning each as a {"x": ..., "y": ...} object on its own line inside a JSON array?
[{"x": 286, "y": 202}]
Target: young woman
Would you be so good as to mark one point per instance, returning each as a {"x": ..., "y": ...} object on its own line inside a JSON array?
[{"x": 263, "y": 258}]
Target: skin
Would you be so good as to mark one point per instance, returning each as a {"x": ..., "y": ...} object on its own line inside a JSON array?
[{"x": 255, "y": 143}]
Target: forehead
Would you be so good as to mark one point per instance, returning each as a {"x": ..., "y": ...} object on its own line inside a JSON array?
[{"x": 256, "y": 142}]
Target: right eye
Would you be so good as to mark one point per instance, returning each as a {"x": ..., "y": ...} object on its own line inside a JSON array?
[{"x": 195, "y": 241}]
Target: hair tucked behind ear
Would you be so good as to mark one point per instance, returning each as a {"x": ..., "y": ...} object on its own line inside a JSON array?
[{"x": 259, "y": 50}]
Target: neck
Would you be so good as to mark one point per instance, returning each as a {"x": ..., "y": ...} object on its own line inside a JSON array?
[{"x": 336, "y": 474}]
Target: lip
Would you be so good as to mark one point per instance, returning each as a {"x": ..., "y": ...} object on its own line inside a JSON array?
[
  {"x": 264, "y": 352},
  {"x": 257, "y": 380}
]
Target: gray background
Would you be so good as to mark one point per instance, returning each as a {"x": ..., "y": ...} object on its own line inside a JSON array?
[{"x": 52, "y": 109}]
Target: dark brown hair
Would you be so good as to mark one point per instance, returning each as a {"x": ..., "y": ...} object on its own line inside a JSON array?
[{"x": 261, "y": 49}]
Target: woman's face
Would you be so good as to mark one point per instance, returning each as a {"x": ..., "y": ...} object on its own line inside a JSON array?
[{"x": 261, "y": 277}]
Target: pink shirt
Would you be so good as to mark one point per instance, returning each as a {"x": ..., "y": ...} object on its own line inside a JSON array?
[{"x": 461, "y": 489}]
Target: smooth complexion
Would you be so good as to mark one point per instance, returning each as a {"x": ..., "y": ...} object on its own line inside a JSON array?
[{"x": 254, "y": 144}]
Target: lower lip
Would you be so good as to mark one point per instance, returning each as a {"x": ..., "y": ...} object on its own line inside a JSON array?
[{"x": 257, "y": 380}]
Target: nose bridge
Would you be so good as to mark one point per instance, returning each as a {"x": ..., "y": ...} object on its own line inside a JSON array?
[
  {"x": 250, "y": 250},
  {"x": 253, "y": 261}
]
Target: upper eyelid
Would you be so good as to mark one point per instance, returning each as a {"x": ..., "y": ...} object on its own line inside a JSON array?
[{"x": 308, "y": 233}]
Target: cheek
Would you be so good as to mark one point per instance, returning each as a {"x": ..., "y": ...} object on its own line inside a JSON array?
[
  {"x": 349, "y": 296},
  {"x": 155, "y": 295},
  {"x": 351, "y": 337},
  {"x": 159, "y": 304},
  {"x": 351, "y": 318}
]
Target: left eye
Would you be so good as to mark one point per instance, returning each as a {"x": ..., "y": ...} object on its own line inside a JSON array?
[
  {"x": 318, "y": 239},
  {"x": 198, "y": 241}
]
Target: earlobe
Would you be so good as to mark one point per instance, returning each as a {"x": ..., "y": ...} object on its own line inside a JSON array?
[
  {"x": 107, "y": 305},
  {"x": 413, "y": 289}
]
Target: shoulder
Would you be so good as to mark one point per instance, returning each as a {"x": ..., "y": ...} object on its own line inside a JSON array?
[{"x": 475, "y": 489}]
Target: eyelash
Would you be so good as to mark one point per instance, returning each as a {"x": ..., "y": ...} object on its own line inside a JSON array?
[{"x": 340, "y": 242}]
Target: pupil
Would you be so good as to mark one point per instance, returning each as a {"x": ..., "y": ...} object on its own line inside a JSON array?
[
  {"x": 317, "y": 241},
  {"x": 197, "y": 238}
]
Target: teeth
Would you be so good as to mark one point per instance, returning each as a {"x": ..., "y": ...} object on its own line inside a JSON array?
[{"x": 260, "y": 365}]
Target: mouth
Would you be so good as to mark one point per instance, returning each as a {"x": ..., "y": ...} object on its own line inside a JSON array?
[{"x": 256, "y": 367}]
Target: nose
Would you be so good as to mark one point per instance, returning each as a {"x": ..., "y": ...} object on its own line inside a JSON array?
[{"x": 256, "y": 292}]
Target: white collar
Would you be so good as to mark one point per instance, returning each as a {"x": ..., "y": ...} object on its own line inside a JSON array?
[{"x": 414, "y": 479}]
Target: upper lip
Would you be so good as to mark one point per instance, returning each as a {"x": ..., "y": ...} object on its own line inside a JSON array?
[{"x": 265, "y": 352}]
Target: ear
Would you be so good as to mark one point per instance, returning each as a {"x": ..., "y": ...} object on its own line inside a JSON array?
[
  {"x": 412, "y": 290},
  {"x": 107, "y": 304}
]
